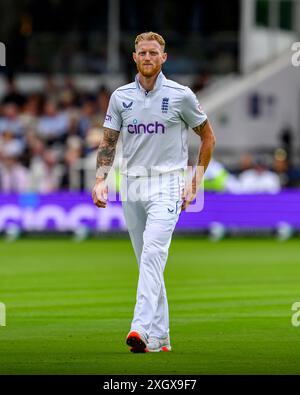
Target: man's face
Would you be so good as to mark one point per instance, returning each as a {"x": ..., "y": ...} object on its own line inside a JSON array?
[{"x": 149, "y": 58}]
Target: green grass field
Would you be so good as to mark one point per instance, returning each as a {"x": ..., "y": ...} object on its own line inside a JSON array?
[{"x": 69, "y": 307}]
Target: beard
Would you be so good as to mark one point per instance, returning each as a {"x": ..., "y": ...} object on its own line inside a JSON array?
[{"x": 148, "y": 71}]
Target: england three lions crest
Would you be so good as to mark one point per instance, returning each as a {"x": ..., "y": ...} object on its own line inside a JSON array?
[{"x": 165, "y": 105}]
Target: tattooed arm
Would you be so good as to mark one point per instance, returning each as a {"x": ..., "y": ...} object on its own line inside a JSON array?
[
  {"x": 105, "y": 158},
  {"x": 106, "y": 153},
  {"x": 208, "y": 144}
]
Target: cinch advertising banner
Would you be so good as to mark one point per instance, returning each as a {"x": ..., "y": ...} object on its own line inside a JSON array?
[{"x": 67, "y": 211}]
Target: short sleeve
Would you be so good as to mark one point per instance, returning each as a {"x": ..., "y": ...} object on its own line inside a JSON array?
[
  {"x": 191, "y": 111},
  {"x": 113, "y": 118}
]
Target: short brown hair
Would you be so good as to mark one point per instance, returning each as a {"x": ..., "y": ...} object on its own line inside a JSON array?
[{"x": 150, "y": 36}]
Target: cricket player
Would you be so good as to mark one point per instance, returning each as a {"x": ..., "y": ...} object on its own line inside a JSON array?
[{"x": 152, "y": 115}]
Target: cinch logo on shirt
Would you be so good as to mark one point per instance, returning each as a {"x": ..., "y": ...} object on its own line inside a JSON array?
[{"x": 149, "y": 128}]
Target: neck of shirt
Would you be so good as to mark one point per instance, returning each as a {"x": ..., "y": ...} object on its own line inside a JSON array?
[{"x": 157, "y": 84}]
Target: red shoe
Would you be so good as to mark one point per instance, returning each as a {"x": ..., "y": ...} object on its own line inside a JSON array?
[{"x": 137, "y": 342}]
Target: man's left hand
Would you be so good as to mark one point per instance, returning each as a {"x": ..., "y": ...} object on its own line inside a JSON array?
[{"x": 189, "y": 194}]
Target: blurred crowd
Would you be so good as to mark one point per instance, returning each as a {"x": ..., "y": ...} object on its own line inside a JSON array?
[
  {"x": 253, "y": 174},
  {"x": 49, "y": 141}
]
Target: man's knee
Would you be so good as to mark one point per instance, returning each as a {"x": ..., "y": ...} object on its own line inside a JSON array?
[{"x": 154, "y": 251}]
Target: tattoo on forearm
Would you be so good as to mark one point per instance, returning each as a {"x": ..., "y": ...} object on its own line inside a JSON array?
[
  {"x": 200, "y": 128},
  {"x": 106, "y": 152},
  {"x": 208, "y": 143}
]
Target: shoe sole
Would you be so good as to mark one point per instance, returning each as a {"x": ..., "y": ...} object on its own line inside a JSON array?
[{"x": 136, "y": 343}]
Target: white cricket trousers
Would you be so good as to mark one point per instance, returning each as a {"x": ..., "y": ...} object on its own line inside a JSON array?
[{"x": 151, "y": 208}]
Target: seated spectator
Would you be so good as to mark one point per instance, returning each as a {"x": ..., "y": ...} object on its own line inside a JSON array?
[
  {"x": 13, "y": 175},
  {"x": 68, "y": 95},
  {"x": 34, "y": 147},
  {"x": 44, "y": 173},
  {"x": 246, "y": 162},
  {"x": 259, "y": 179},
  {"x": 53, "y": 125},
  {"x": 73, "y": 173},
  {"x": 31, "y": 111},
  {"x": 10, "y": 120},
  {"x": 92, "y": 142},
  {"x": 289, "y": 175},
  {"x": 88, "y": 117},
  {"x": 9, "y": 141}
]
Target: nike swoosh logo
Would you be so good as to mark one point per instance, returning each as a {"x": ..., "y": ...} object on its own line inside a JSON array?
[{"x": 171, "y": 211}]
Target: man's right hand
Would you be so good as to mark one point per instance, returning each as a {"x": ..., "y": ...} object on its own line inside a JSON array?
[{"x": 99, "y": 193}]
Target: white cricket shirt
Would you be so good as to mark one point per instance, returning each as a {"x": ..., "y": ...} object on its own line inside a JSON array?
[{"x": 154, "y": 125}]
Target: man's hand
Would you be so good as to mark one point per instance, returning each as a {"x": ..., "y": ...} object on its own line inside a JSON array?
[
  {"x": 208, "y": 143},
  {"x": 191, "y": 188},
  {"x": 189, "y": 194},
  {"x": 99, "y": 193}
]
